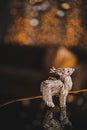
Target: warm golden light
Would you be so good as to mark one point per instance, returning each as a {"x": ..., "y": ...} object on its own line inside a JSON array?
[{"x": 52, "y": 29}]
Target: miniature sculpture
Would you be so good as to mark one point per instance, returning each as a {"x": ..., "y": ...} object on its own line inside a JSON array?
[{"x": 61, "y": 87}]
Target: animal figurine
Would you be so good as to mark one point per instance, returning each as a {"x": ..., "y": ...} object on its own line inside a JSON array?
[{"x": 61, "y": 87}]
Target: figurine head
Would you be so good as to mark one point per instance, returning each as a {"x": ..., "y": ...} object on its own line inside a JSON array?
[{"x": 62, "y": 71}]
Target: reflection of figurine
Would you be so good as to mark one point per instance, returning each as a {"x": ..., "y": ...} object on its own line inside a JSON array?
[
  {"x": 59, "y": 87},
  {"x": 51, "y": 122}
]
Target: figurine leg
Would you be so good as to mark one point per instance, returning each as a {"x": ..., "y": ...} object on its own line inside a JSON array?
[
  {"x": 47, "y": 97},
  {"x": 62, "y": 97}
]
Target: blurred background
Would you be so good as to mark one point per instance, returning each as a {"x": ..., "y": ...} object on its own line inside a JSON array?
[{"x": 28, "y": 49}]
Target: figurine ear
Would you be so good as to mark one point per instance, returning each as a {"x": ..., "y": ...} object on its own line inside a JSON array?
[
  {"x": 72, "y": 71},
  {"x": 52, "y": 70}
]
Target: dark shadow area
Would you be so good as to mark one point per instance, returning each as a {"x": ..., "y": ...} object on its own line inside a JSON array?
[{"x": 21, "y": 70}]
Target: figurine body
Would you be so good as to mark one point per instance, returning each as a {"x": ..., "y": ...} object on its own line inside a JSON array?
[{"x": 59, "y": 87}]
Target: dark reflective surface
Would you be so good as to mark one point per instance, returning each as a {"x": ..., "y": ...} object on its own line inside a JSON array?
[{"x": 32, "y": 115}]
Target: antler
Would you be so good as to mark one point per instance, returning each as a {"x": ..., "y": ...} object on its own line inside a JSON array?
[{"x": 52, "y": 70}]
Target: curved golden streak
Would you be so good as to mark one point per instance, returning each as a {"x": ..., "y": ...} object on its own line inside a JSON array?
[{"x": 38, "y": 97}]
